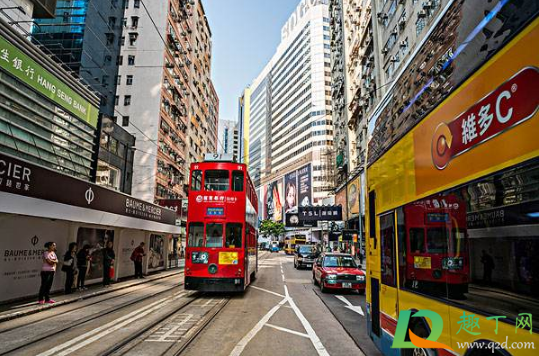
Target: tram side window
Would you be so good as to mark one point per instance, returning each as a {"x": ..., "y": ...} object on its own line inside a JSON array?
[
  {"x": 214, "y": 235},
  {"x": 196, "y": 180},
  {"x": 233, "y": 235},
  {"x": 216, "y": 180},
  {"x": 237, "y": 181},
  {"x": 196, "y": 234},
  {"x": 387, "y": 235}
]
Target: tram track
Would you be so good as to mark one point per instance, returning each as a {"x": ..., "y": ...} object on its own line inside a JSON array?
[{"x": 88, "y": 319}]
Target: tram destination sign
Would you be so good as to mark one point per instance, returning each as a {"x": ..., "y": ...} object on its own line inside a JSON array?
[{"x": 27, "y": 179}]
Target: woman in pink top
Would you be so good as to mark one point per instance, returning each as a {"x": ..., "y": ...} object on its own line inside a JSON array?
[{"x": 47, "y": 272}]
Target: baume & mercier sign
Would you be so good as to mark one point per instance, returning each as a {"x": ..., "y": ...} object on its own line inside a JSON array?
[{"x": 27, "y": 179}]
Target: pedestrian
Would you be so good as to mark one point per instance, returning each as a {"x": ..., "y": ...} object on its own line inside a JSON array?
[
  {"x": 136, "y": 257},
  {"x": 69, "y": 267},
  {"x": 83, "y": 259},
  {"x": 47, "y": 273},
  {"x": 488, "y": 266},
  {"x": 108, "y": 262}
]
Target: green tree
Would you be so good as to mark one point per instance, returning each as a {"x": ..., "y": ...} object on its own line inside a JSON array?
[{"x": 271, "y": 228}]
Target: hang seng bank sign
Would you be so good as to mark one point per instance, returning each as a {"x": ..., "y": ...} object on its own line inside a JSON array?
[
  {"x": 23, "y": 178},
  {"x": 21, "y": 66}
]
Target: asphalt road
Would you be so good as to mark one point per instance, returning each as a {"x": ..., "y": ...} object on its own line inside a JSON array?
[{"x": 282, "y": 313}]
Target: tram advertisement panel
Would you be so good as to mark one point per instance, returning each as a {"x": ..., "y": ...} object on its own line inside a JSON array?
[
  {"x": 479, "y": 126},
  {"x": 305, "y": 186}
]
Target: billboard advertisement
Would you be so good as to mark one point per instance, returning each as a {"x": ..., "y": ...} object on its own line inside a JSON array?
[
  {"x": 274, "y": 199},
  {"x": 340, "y": 199},
  {"x": 97, "y": 240},
  {"x": 291, "y": 192},
  {"x": 304, "y": 186},
  {"x": 353, "y": 197}
]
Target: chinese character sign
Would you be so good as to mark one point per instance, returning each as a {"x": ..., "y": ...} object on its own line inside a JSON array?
[{"x": 512, "y": 103}]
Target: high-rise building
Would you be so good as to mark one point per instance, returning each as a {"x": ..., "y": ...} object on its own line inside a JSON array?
[
  {"x": 290, "y": 105},
  {"x": 244, "y": 119},
  {"x": 167, "y": 50},
  {"x": 85, "y": 36},
  {"x": 20, "y": 14},
  {"x": 228, "y": 138}
]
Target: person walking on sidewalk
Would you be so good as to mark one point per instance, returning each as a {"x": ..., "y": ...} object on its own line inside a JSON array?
[
  {"x": 108, "y": 261},
  {"x": 83, "y": 258},
  {"x": 69, "y": 267},
  {"x": 136, "y": 257},
  {"x": 47, "y": 273}
]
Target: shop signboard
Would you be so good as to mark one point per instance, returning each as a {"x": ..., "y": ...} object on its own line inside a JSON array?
[
  {"x": 27, "y": 179},
  {"x": 309, "y": 214},
  {"x": 24, "y": 68},
  {"x": 305, "y": 186}
]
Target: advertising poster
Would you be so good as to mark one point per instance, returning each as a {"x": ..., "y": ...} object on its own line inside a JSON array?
[
  {"x": 97, "y": 239},
  {"x": 274, "y": 200},
  {"x": 340, "y": 199},
  {"x": 156, "y": 255},
  {"x": 128, "y": 241},
  {"x": 291, "y": 192},
  {"x": 305, "y": 186},
  {"x": 353, "y": 197},
  {"x": 264, "y": 202}
]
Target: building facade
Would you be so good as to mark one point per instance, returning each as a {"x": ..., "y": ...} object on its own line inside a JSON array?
[
  {"x": 86, "y": 36},
  {"x": 244, "y": 120},
  {"x": 229, "y": 138},
  {"x": 20, "y": 14},
  {"x": 167, "y": 49},
  {"x": 290, "y": 105}
]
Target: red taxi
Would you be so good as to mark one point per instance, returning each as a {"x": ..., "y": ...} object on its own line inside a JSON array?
[{"x": 338, "y": 271}]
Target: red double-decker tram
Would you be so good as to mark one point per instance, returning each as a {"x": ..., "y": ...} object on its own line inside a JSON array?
[{"x": 221, "y": 253}]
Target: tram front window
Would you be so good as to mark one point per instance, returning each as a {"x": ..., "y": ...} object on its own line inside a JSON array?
[
  {"x": 196, "y": 234},
  {"x": 214, "y": 235},
  {"x": 216, "y": 180},
  {"x": 437, "y": 240},
  {"x": 233, "y": 235}
]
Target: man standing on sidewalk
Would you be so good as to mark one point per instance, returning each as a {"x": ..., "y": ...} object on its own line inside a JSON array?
[{"x": 136, "y": 257}]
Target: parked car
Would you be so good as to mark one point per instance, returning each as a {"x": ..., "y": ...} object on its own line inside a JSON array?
[
  {"x": 304, "y": 256},
  {"x": 338, "y": 271}
]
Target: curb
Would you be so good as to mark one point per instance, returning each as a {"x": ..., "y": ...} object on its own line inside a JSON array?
[{"x": 41, "y": 308}]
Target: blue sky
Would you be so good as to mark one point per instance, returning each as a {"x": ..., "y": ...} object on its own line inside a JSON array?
[{"x": 245, "y": 34}]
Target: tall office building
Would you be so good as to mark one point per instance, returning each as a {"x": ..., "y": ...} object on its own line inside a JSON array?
[
  {"x": 85, "y": 37},
  {"x": 244, "y": 119},
  {"x": 166, "y": 50},
  {"x": 229, "y": 138},
  {"x": 290, "y": 107}
]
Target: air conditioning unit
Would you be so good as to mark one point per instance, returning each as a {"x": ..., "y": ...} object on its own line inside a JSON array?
[
  {"x": 402, "y": 2},
  {"x": 402, "y": 21},
  {"x": 403, "y": 44},
  {"x": 394, "y": 59},
  {"x": 381, "y": 16},
  {"x": 422, "y": 13},
  {"x": 385, "y": 50},
  {"x": 427, "y": 5}
]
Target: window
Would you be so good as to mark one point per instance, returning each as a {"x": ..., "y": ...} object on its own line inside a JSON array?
[
  {"x": 131, "y": 60},
  {"x": 125, "y": 121},
  {"x": 108, "y": 175},
  {"x": 133, "y": 38},
  {"x": 372, "y": 216},
  {"x": 214, "y": 235},
  {"x": 113, "y": 145},
  {"x": 124, "y": 21},
  {"x": 417, "y": 240},
  {"x": 339, "y": 261},
  {"x": 437, "y": 240},
  {"x": 196, "y": 234},
  {"x": 387, "y": 241},
  {"x": 110, "y": 38},
  {"x": 136, "y": 4},
  {"x": 104, "y": 142},
  {"x": 116, "y": 100},
  {"x": 216, "y": 180},
  {"x": 129, "y": 80},
  {"x": 420, "y": 25},
  {"x": 118, "y": 79},
  {"x": 233, "y": 235},
  {"x": 122, "y": 41},
  {"x": 112, "y": 21},
  {"x": 119, "y": 60},
  {"x": 237, "y": 181},
  {"x": 196, "y": 180},
  {"x": 127, "y": 100}
]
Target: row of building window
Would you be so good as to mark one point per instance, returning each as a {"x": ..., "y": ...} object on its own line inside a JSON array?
[
  {"x": 301, "y": 150},
  {"x": 286, "y": 100}
]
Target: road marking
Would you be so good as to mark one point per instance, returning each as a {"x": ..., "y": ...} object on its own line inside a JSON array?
[
  {"x": 287, "y": 330},
  {"x": 282, "y": 276},
  {"x": 356, "y": 308},
  {"x": 310, "y": 331},
  {"x": 167, "y": 336},
  {"x": 240, "y": 346},
  {"x": 96, "y": 334},
  {"x": 267, "y": 291}
]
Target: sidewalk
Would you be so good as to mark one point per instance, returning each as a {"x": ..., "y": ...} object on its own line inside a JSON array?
[{"x": 29, "y": 306}]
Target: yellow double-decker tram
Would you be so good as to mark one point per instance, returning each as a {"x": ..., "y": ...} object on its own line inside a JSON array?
[{"x": 453, "y": 187}]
